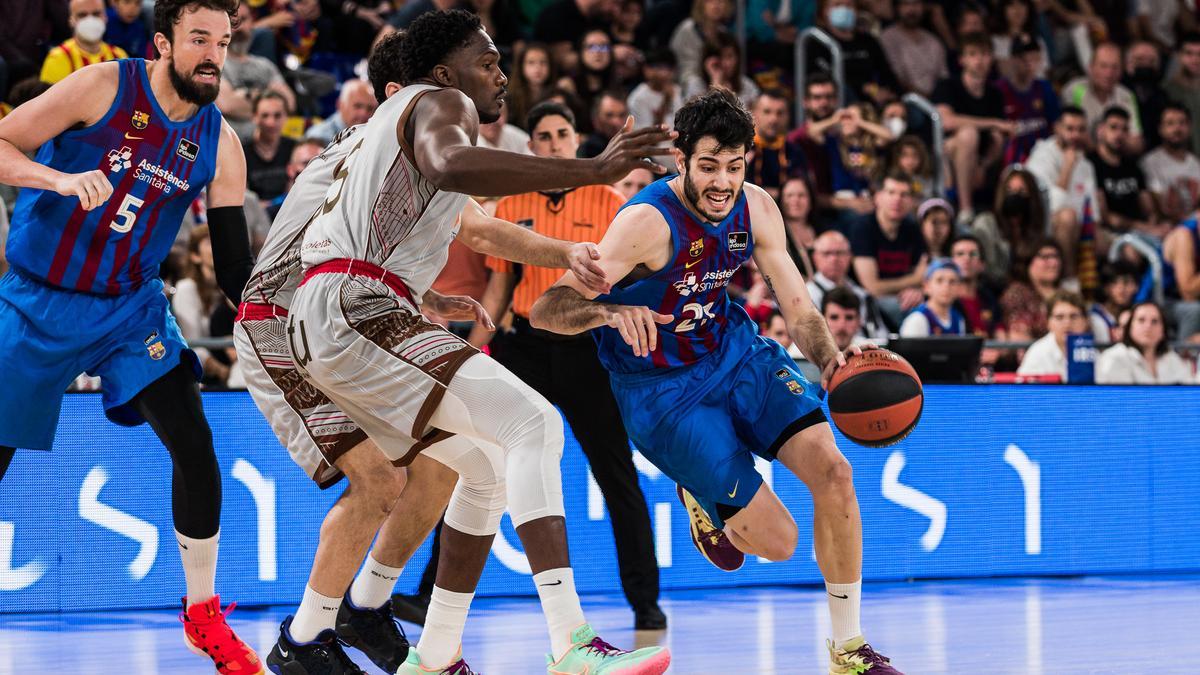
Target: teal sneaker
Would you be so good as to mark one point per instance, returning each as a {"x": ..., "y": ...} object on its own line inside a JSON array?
[
  {"x": 589, "y": 655},
  {"x": 412, "y": 666}
]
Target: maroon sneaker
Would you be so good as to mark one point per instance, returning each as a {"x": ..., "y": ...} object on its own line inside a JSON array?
[
  {"x": 710, "y": 540},
  {"x": 857, "y": 657}
]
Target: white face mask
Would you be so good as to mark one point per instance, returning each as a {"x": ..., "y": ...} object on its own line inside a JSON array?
[
  {"x": 896, "y": 125},
  {"x": 90, "y": 28}
]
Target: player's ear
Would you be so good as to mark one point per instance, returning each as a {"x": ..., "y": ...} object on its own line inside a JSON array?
[
  {"x": 680, "y": 162},
  {"x": 391, "y": 88},
  {"x": 442, "y": 75},
  {"x": 163, "y": 45}
]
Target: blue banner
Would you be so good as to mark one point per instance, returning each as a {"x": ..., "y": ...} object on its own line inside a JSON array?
[{"x": 996, "y": 480}]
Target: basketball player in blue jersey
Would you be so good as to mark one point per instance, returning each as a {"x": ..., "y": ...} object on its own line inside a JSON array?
[
  {"x": 123, "y": 148},
  {"x": 700, "y": 391}
]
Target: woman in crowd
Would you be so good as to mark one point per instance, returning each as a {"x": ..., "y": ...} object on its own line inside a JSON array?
[
  {"x": 936, "y": 218},
  {"x": 1016, "y": 18},
  {"x": 1143, "y": 355},
  {"x": 533, "y": 80},
  {"x": 1016, "y": 223},
  {"x": 1048, "y": 356},
  {"x": 910, "y": 156},
  {"x": 196, "y": 296},
  {"x": 709, "y": 19},
  {"x": 796, "y": 205},
  {"x": 1024, "y": 301},
  {"x": 596, "y": 72},
  {"x": 1118, "y": 286},
  {"x": 722, "y": 67}
]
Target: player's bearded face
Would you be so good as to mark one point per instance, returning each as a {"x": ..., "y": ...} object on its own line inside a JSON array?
[
  {"x": 199, "y": 85},
  {"x": 713, "y": 182}
]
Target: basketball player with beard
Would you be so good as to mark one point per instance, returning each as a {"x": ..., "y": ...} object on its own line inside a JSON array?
[{"x": 123, "y": 149}]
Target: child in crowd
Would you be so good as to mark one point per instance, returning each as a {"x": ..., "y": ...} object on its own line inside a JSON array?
[{"x": 938, "y": 315}]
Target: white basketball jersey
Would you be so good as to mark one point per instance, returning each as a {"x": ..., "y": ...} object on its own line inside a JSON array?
[
  {"x": 380, "y": 208},
  {"x": 277, "y": 272}
]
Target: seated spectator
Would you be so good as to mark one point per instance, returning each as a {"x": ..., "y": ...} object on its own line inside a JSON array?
[
  {"x": 533, "y": 79},
  {"x": 772, "y": 27},
  {"x": 247, "y": 76},
  {"x": 127, "y": 28},
  {"x": 916, "y": 55},
  {"x": 854, "y": 142},
  {"x": 773, "y": 160},
  {"x": 820, "y": 103},
  {"x": 595, "y": 72},
  {"x": 1024, "y": 301},
  {"x": 1156, "y": 21},
  {"x": 268, "y": 153},
  {"x": 88, "y": 21},
  {"x": 1102, "y": 89},
  {"x": 1143, "y": 355},
  {"x": 721, "y": 66},
  {"x": 709, "y": 19},
  {"x": 1013, "y": 227},
  {"x": 656, "y": 99},
  {"x": 842, "y": 315},
  {"x": 1029, "y": 101},
  {"x": 889, "y": 253},
  {"x": 910, "y": 156},
  {"x": 562, "y": 24},
  {"x": 1016, "y": 24},
  {"x": 1118, "y": 285},
  {"x": 501, "y": 135},
  {"x": 796, "y": 207},
  {"x": 1126, "y": 204},
  {"x": 1060, "y": 165},
  {"x": 936, "y": 219},
  {"x": 1172, "y": 172},
  {"x": 978, "y": 303},
  {"x": 356, "y": 103},
  {"x": 1048, "y": 355},
  {"x": 1143, "y": 78},
  {"x": 939, "y": 314},
  {"x": 972, "y": 111},
  {"x": 196, "y": 296},
  {"x": 1181, "y": 276},
  {"x": 1184, "y": 86},
  {"x": 775, "y": 327},
  {"x": 864, "y": 62},
  {"x": 609, "y": 113},
  {"x": 304, "y": 152},
  {"x": 634, "y": 183},
  {"x": 831, "y": 258}
]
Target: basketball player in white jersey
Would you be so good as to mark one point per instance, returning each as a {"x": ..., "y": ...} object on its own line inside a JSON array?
[{"x": 328, "y": 445}]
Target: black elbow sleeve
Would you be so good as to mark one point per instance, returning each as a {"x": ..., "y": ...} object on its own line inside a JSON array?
[{"x": 232, "y": 259}]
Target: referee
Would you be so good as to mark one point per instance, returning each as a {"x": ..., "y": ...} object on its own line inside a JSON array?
[{"x": 565, "y": 369}]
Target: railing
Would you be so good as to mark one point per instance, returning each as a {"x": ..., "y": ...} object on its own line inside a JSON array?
[
  {"x": 939, "y": 136},
  {"x": 1148, "y": 252},
  {"x": 739, "y": 32},
  {"x": 838, "y": 74}
]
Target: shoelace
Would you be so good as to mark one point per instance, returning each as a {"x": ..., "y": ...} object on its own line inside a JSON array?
[
  {"x": 603, "y": 648},
  {"x": 460, "y": 667},
  {"x": 384, "y": 619},
  {"x": 200, "y": 628},
  {"x": 330, "y": 652},
  {"x": 866, "y": 653}
]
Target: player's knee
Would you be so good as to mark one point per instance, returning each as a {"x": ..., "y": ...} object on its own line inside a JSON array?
[
  {"x": 377, "y": 492},
  {"x": 782, "y": 543}
]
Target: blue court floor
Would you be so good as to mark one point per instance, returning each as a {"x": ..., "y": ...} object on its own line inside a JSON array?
[{"x": 1122, "y": 625}]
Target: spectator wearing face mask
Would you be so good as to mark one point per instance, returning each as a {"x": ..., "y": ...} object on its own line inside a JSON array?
[
  {"x": 1009, "y": 232},
  {"x": 867, "y": 69},
  {"x": 1143, "y": 355},
  {"x": 1143, "y": 77},
  {"x": 88, "y": 21}
]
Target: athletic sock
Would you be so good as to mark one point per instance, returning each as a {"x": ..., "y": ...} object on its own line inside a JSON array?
[
  {"x": 560, "y": 605},
  {"x": 374, "y": 584},
  {"x": 199, "y": 558},
  {"x": 317, "y": 613},
  {"x": 444, "y": 621},
  {"x": 844, "y": 603}
]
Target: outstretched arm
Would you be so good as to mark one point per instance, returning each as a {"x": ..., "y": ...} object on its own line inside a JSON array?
[
  {"x": 638, "y": 236},
  {"x": 445, "y": 123}
]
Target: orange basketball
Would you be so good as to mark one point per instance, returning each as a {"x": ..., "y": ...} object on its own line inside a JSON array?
[{"x": 876, "y": 398}]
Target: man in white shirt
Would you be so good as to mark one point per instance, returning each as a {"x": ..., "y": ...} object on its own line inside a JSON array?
[
  {"x": 500, "y": 135},
  {"x": 1172, "y": 172},
  {"x": 355, "y": 105},
  {"x": 1048, "y": 356},
  {"x": 1061, "y": 167},
  {"x": 831, "y": 258}
]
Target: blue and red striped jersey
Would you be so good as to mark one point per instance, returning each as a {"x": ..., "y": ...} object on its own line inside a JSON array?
[
  {"x": 691, "y": 287},
  {"x": 157, "y": 168}
]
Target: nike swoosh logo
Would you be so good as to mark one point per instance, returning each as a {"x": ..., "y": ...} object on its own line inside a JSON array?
[
  {"x": 553, "y": 584},
  {"x": 735, "y": 487},
  {"x": 690, "y": 265},
  {"x": 284, "y": 653},
  {"x": 840, "y": 597},
  {"x": 133, "y": 138}
]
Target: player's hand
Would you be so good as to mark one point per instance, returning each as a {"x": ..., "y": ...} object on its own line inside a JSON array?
[
  {"x": 92, "y": 188},
  {"x": 637, "y": 327},
  {"x": 460, "y": 308},
  {"x": 581, "y": 259},
  {"x": 839, "y": 360},
  {"x": 630, "y": 150}
]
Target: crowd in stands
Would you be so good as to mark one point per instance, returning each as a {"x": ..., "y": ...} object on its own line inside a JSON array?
[{"x": 1063, "y": 200}]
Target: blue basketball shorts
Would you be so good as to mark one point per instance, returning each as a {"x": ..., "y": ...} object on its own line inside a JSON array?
[
  {"x": 48, "y": 336},
  {"x": 702, "y": 424}
]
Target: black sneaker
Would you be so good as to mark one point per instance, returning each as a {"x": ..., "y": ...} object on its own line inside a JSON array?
[
  {"x": 323, "y": 656},
  {"x": 650, "y": 617},
  {"x": 374, "y": 632}
]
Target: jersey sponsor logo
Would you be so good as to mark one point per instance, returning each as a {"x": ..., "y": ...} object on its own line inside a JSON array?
[
  {"x": 783, "y": 373},
  {"x": 691, "y": 283},
  {"x": 139, "y": 120},
  {"x": 150, "y": 338},
  {"x": 119, "y": 160},
  {"x": 159, "y": 178},
  {"x": 187, "y": 150},
  {"x": 697, "y": 248},
  {"x": 738, "y": 241}
]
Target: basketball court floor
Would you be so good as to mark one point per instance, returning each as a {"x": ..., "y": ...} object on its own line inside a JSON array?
[{"x": 1118, "y": 625}]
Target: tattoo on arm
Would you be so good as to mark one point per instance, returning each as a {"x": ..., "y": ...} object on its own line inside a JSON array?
[{"x": 770, "y": 286}]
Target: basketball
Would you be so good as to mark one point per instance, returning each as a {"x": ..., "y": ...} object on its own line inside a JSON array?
[{"x": 876, "y": 398}]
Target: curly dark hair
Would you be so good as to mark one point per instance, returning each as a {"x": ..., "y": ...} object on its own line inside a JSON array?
[
  {"x": 386, "y": 65},
  {"x": 167, "y": 12},
  {"x": 717, "y": 113},
  {"x": 432, "y": 38}
]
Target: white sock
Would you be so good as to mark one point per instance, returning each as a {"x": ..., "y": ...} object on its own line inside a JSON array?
[
  {"x": 844, "y": 602},
  {"x": 560, "y": 604},
  {"x": 444, "y": 621},
  {"x": 374, "y": 584},
  {"x": 199, "y": 557},
  {"x": 317, "y": 613}
]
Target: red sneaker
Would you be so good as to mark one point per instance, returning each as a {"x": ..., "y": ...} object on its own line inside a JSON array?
[{"x": 206, "y": 633}]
